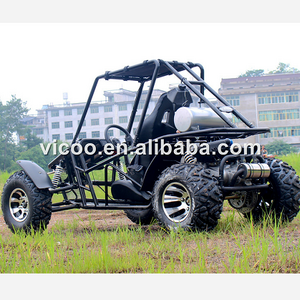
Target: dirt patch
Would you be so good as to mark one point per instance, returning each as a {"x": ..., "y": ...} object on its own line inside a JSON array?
[{"x": 106, "y": 220}]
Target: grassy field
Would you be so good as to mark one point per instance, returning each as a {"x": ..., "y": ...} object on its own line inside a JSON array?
[
  {"x": 77, "y": 245},
  {"x": 235, "y": 246}
]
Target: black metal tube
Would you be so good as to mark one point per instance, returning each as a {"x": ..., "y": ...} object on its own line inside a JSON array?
[
  {"x": 86, "y": 108},
  {"x": 219, "y": 97},
  {"x": 91, "y": 188},
  {"x": 64, "y": 188},
  {"x": 79, "y": 181},
  {"x": 148, "y": 98},
  {"x": 245, "y": 188},
  {"x": 202, "y": 77},
  {"x": 124, "y": 174},
  {"x": 235, "y": 176},
  {"x": 188, "y": 84},
  {"x": 135, "y": 105},
  {"x": 121, "y": 207},
  {"x": 58, "y": 208}
]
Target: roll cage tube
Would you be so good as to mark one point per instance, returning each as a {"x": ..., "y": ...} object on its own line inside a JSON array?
[
  {"x": 149, "y": 94},
  {"x": 151, "y": 70}
]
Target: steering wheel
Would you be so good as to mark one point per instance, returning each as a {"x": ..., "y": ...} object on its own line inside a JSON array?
[{"x": 128, "y": 138}]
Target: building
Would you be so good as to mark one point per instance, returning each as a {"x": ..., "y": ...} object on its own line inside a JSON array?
[
  {"x": 59, "y": 122},
  {"x": 38, "y": 125},
  {"x": 267, "y": 101}
]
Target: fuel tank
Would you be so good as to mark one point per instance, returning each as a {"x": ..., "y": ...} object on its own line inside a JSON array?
[{"x": 186, "y": 119}]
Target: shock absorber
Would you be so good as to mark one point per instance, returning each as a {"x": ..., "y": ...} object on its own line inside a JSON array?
[
  {"x": 189, "y": 158},
  {"x": 56, "y": 177}
]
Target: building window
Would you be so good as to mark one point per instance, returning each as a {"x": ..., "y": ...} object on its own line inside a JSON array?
[
  {"x": 95, "y": 134},
  {"x": 137, "y": 118},
  {"x": 108, "y": 108},
  {"x": 80, "y": 111},
  {"x": 110, "y": 133},
  {"x": 108, "y": 121},
  {"x": 68, "y": 112},
  {"x": 55, "y": 125},
  {"x": 94, "y": 110},
  {"x": 68, "y": 124},
  {"x": 123, "y": 119},
  {"x": 69, "y": 136},
  {"x": 283, "y": 132},
  {"x": 94, "y": 122},
  {"x": 84, "y": 122},
  {"x": 141, "y": 105},
  {"x": 274, "y": 98},
  {"x": 55, "y": 137},
  {"x": 82, "y": 135},
  {"x": 233, "y": 100},
  {"x": 122, "y": 107},
  {"x": 55, "y": 113},
  {"x": 277, "y": 115},
  {"x": 110, "y": 98}
]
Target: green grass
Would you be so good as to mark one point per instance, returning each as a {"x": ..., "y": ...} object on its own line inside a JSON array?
[
  {"x": 293, "y": 160},
  {"x": 235, "y": 246},
  {"x": 3, "y": 177}
]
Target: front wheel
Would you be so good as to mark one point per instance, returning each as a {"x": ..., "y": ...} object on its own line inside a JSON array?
[
  {"x": 187, "y": 196},
  {"x": 24, "y": 206}
]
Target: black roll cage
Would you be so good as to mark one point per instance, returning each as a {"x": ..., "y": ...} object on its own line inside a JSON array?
[
  {"x": 154, "y": 69},
  {"x": 147, "y": 71}
]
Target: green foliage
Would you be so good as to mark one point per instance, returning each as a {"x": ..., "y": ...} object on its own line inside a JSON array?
[
  {"x": 10, "y": 116},
  {"x": 36, "y": 155},
  {"x": 281, "y": 68},
  {"x": 293, "y": 159},
  {"x": 253, "y": 73},
  {"x": 284, "y": 68},
  {"x": 280, "y": 147},
  {"x": 31, "y": 140}
]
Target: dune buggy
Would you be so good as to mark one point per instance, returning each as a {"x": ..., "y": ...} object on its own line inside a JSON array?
[{"x": 183, "y": 184}]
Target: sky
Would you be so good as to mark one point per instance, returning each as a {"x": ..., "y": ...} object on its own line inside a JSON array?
[{"x": 41, "y": 61}]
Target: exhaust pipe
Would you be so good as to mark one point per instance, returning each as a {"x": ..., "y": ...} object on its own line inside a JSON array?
[{"x": 259, "y": 170}]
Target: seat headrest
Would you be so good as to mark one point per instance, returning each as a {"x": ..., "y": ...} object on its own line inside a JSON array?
[{"x": 180, "y": 96}]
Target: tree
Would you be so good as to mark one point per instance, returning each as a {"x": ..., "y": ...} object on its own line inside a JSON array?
[
  {"x": 30, "y": 140},
  {"x": 253, "y": 73},
  {"x": 280, "y": 147},
  {"x": 284, "y": 68},
  {"x": 281, "y": 68},
  {"x": 10, "y": 116},
  {"x": 35, "y": 154}
]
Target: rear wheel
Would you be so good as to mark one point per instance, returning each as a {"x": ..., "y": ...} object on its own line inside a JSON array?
[
  {"x": 187, "y": 196},
  {"x": 282, "y": 199},
  {"x": 24, "y": 206}
]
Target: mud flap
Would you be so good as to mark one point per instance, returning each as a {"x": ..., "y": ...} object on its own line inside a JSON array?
[{"x": 36, "y": 174}]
